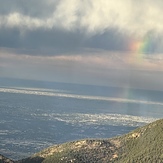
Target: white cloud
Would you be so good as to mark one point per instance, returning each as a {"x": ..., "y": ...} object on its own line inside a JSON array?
[
  {"x": 138, "y": 17},
  {"x": 22, "y": 21}
]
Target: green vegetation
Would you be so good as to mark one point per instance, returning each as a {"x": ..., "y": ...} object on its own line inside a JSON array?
[
  {"x": 83, "y": 151},
  {"x": 143, "y": 145}
]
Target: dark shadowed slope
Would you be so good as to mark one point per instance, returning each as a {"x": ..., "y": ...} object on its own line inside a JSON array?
[{"x": 5, "y": 160}]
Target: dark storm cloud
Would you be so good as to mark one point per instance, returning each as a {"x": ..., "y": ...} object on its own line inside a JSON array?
[
  {"x": 41, "y": 41},
  {"x": 111, "y": 39},
  {"x": 57, "y": 41}
]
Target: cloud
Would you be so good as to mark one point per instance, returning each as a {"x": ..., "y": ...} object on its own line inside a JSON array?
[
  {"x": 94, "y": 16},
  {"x": 61, "y": 26}
]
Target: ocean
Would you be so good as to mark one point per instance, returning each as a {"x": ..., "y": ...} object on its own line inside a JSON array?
[{"x": 35, "y": 115}]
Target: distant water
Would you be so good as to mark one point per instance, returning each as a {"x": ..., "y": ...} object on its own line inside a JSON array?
[{"x": 35, "y": 115}]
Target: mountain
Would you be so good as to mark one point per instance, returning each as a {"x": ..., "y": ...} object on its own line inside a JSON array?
[
  {"x": 3, "y": 159},
  {"x": 143, "y": 145}
]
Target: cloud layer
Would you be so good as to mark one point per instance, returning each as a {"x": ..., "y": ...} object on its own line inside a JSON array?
[
  {"x": 95, "y": 16},
  {"x": 74, "y": 24},
  {"x": 88, "y": 41}
]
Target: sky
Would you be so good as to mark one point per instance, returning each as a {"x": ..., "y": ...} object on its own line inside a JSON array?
[{"x": 113, "y": 43}]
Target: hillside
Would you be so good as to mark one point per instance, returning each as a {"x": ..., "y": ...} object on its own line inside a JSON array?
[
  {"x": 141, "y": 145},
  {"x": 4, "y": 159}
]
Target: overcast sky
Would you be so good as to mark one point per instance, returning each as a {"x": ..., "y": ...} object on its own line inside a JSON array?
[{"x": 102, "y": 42}]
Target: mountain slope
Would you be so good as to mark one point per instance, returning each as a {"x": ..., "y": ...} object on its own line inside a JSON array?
[
  {"x": 4, "y": 159},
  {"x": 141, "y": 145},
  {"x": 78, "y": 151}
]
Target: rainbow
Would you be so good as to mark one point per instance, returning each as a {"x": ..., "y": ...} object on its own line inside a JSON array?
[
  {"x": 140, "y": 47},
  {"x": 137, "y": 51}
]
